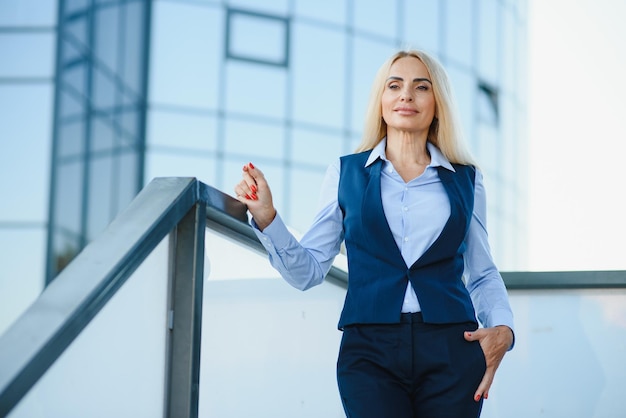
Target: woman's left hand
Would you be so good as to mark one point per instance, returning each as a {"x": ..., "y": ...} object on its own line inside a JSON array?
[{"x": 495, "y": 342}]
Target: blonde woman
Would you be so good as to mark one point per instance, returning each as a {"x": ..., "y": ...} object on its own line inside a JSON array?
[{"x": 410, "y": 207}]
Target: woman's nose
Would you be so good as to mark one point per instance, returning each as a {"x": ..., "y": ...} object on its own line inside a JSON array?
[{"x": 406, "y": 96}]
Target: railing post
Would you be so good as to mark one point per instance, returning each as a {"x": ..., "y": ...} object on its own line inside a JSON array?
[{"x": 185, "y": 314}]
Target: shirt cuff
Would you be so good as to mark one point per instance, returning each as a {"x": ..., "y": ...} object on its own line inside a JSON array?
[
  {"x": 502, "y": 317},
  {"x": 274, "y": 235}
]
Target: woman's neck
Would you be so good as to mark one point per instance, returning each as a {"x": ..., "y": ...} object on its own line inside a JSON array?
[{"x": 407, "y": 149}]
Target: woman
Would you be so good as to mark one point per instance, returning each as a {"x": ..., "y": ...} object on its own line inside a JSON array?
[{"x": 410, "y": 207}]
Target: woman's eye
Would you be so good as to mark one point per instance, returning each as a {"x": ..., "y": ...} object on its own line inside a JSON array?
[
  {"x": 393, "y": 86},
  {"x": 422, "y": 88}
]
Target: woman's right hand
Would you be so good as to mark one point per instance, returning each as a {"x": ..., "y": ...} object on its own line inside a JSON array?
[{"x": 254, "y": 192}]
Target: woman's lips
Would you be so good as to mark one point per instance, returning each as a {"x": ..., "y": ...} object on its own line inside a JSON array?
[{"x": 405, "y": 111}]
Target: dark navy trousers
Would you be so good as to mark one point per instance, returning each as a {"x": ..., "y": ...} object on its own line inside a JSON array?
[{"x": 410, "y": 370}]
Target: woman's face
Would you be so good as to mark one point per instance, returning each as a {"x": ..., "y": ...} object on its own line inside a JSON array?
[{"x": 408, "y": 101}]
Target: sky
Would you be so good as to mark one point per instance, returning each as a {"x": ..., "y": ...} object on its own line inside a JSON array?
[{"x": 577, "y": 134}]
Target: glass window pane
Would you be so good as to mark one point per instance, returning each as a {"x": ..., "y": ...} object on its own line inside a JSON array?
[
  {"x": 134, "y": 41},
  {"x": 100, "y": 195},
  {"x": 182, "y": 130},
  {"x": 195, "y": 67},
  {"x": 104, "y": 91},
  {"x": 25, "y": 121},
  {"x": 74, "y": 6},
  {"x": 489, "y": 154},
  {"x": 254, "y": 140},
  {"x": 71, "y": 139},
  {"x": 127, "y": 126},
  {"x": 68, "y": 196},
  {"x": 185, "y": 164},
  {"x": 126, "y": 172},
  {"x": 31, "y": 54},
  {"x": 511, "y": 57},
  {"x": 28, "y": 13},
  {"x": 458, "y": 26},
  {"x": 332, "y": 11},
  {"x": 311, "y": 147},
  {"x": 319, "y": 76},
  {"x": 74, "y": 78},
  {"x": 258, "y": 90},
  {"x": 65, "y": 246},
  {"x": 102, "y": 136},
  {"x": 488, "y": 104},
  {"x": 280, "y": 7},
  {"x": 374, "y": 16},
  {"x": 489, "y": 23},
  {"x": 106, "y": 44},
  {"x": 368, "y": 57},
  {"x": 464, "y": 91},
  {"x": 421, "y": 25},
  {"x": 258, "y": 37},
  {"x": 76, "y": 32},
  {"x": 70, "y": 104}
]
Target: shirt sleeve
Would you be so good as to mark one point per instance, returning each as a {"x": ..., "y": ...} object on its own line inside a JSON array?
[
  {"x": 304, "y": 264},
  {"x": 483, "y": 280}
]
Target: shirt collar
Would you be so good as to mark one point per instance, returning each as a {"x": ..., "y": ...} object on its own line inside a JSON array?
[{"x": 436, "y": 157}]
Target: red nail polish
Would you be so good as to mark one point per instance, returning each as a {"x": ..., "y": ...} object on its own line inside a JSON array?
[
  {"x": 253, "y": 188},
  {"x": 486, "y": 395},
  {"x": 248, "y": 197},
  {"x": 477, "y": 398},
  {"x": 245, "y": 168},
  {"x": 251, "y": 165},
  {"x": 254, "y": 197}
]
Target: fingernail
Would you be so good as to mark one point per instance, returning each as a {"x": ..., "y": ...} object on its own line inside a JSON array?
[
  {"x": 254, "y": 197},
  {"x": 251, "y": 165},
  {"x": 477, "y": 398},
  {"x": 486, "y": 395},
  {"x": 253, "y": 188},
  {"x": 248, "y": 197},
  {"x": 245, "y": 168},
  {"x": 469, "y": 334}
]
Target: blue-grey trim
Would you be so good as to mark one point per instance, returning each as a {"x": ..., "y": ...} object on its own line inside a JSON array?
[
  {"x": 608, "y": 279},
  {"x": 25, "y": 80},
  {"x": 143, "y": 94},
  {"x": 88, "y": 130},
  {"x": 50, "y": 263}
]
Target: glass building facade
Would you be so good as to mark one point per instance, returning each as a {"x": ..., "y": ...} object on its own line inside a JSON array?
[
  {"x": 100, "y": 96},
  {"x": 99, "y": 124}
]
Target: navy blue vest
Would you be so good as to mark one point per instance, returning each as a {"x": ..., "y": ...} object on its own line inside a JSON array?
[{"x": 378, "y": 275}]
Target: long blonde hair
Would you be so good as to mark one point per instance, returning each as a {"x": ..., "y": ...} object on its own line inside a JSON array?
[{"x": 445, "y": 130}]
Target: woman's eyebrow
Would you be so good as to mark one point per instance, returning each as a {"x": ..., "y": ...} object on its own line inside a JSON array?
[{"x": 415, "y": 80}]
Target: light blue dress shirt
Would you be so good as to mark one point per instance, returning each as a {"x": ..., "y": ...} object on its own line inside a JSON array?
[{"x": 416, "y": 212}]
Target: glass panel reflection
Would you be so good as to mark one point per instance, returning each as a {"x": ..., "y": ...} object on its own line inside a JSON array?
[
  {"x": 264, "y": 340},
  {"x": 116, "y": 366},
  {"x": 568, "y": 360}
]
